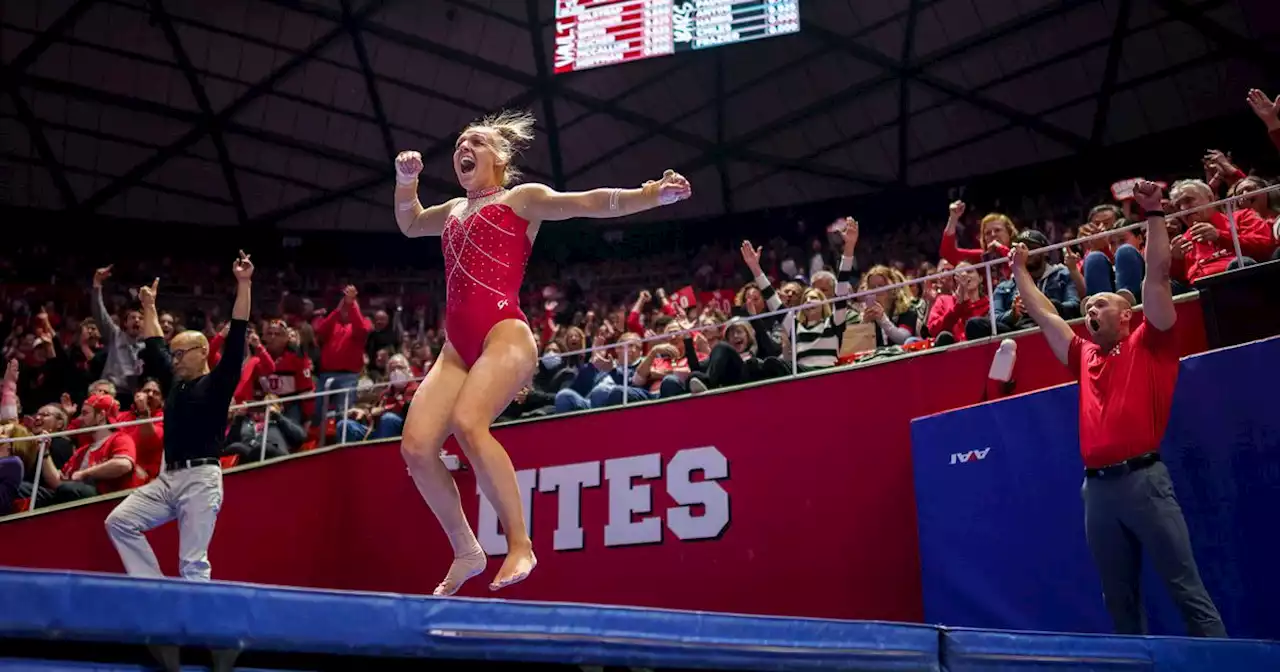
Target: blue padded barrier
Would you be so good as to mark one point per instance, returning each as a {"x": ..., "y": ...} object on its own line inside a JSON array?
[
  {"x": 967, "y": 650},
  {"x": 88, "y": 607}
]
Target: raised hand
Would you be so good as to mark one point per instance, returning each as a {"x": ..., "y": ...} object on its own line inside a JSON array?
[
  {"x": 1268, "y": 110},
  {"x": 955, "y": 211},
  {"x": 147, "y": 295},
  {"x": 101, "y": 275},
  {"x": 673, "y": 187},
  {"x": 349, "y": 294},
  {"x": 242, "y": 268},
  {"x": 1018, "y": 256},
  {"x": 751, "y": 256},
  {"x": 11, "y": 372},
  {"x": 850, "y": 235},
  {"x": 1148, "y": 196},
  {"x": 408, "y": 166}
]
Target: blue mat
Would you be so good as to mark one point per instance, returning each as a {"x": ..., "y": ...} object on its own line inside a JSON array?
[{"x": 76, "y": 607}]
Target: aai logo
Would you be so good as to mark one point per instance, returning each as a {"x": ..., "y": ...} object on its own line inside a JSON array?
[{"x": 970, "y": 456}]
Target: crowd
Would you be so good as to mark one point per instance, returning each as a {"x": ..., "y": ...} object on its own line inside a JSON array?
[{"x": 74, "y": 353}]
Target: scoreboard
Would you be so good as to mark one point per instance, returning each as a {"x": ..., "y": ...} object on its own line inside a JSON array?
[{"x": 592, "y": 33}]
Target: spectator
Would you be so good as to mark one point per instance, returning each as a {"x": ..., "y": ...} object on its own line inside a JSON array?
[
  {"x": 951, "y": 312},
  {"x": 387, "y": 332},
  {"x": 994, "y": 236},
  {"x": 1054, "y": 281},
  {"x": 342, "y": 335},
  {"x": 1206, "y": 246},
  {"x": 263, "y": 428},
  {"x": 148, "y": 438},
  {"x": 11, "y": 470},
  {"x": 663, "y": 371},
  {"x": 49, "y": 419},
  {"x": 292, "y": 375},
  {"x": 1108, "y": 267},
  {"x": 385, "y": 419},
  {"x": 894, "y": 312},
  {"x": 103, "y": 466},
  {"x": 123, "y": 367}
]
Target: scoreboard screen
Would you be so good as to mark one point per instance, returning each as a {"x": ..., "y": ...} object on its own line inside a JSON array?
[{"x": 592, "y": 33}]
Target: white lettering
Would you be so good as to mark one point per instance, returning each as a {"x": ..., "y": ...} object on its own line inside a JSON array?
[
  {"x": 627, "y": 498},
  {"x": 490, "y": 530},
  {"x": 682, "y": 22},
  {"x": 975, "y": 455},
  {"x": 568, "y": 480},
  {"x": 713, "y": 498},
  {"x": 565, "y": 55}
]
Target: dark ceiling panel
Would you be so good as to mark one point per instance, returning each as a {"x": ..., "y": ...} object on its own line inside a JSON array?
[{"x": 307, "y": 97}]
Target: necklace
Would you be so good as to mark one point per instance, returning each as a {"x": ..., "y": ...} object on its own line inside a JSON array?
[
  {"x": 472, "y": 195},
  {"x": 477, "y": 200}
]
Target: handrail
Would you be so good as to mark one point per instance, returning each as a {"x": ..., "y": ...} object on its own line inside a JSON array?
[{"x": 991, "y": 263}]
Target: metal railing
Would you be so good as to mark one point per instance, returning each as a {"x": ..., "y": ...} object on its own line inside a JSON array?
[{"x": 627, "y": 383}]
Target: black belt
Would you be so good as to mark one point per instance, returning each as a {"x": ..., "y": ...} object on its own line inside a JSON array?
[
  {"x": 187, "y": 464},
  {"x": 1121, "y": 468}
]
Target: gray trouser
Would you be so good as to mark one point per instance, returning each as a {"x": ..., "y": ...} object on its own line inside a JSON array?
[
  {"x": 193, "y": 496},
  {"x": 1125, "y": 515}
]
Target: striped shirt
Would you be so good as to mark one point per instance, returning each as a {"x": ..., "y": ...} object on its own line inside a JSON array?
[{"x": 817, "y": 346}]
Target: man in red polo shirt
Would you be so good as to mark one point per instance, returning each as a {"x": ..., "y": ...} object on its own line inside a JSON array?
[{"x": 1127, "y": 377}]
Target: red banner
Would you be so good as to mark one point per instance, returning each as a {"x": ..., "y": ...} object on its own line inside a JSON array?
[{"x": 792, "y": 498}]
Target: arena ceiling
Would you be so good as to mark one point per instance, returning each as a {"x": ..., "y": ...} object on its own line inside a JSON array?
[{"x": 287, "y": 112}]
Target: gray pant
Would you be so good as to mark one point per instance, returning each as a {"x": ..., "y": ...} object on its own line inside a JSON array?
[
  {"x": 1124, "y": 515},
  {"x": 193, "y": 496}
]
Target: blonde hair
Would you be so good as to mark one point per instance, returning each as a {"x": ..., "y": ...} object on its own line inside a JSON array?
[
  {"x": 902, "y": 298},
  {"x": 512, "y": 131},
  {"x": 27, "y": 451},
  {"x": 813, "y": 295},
  {"x": 996, "y": 217}
]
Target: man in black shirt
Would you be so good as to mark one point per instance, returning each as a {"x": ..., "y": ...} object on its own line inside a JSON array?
[{"x": 189, "y": 487}]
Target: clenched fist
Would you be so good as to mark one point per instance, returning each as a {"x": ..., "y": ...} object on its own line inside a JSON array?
[{"x": 408, "y": 165}]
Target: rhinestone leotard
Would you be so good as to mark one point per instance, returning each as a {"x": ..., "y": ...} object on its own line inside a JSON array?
[{"x": 486, "y": 248}]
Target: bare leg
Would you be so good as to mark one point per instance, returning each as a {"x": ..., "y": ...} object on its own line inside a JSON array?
[
  {"x": 503, "y": 368},
  {"x": 425, "y": 430}
]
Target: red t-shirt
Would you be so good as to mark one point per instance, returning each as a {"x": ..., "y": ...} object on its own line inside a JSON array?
[
  {"x": 1125, "y": 394},
  {"x": 117, "y": 444},
  {"x": 150, "y": 451}
]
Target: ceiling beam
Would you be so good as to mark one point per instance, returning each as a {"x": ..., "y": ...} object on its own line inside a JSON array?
[
  {"x": 532, "y": 83},
  {"x": 370, "y": 85},
  {"x": 722, "y": 166},
  {"x": 1010, "y": 76},
  {"x": 98, "y": 134},
  {"x": 904, "y": 93},
  {"x": 48, "y": 36},
  {"x": 738, "y": 145},
  {"x": 161, "y": 17},
  {"x": 1114, "y": 52},
  {"x": 1210, "y": 57},
  {"x": 49, "y": 161},
  {"x": 1223, "y": 37},
  {"x": 201, "y": 129},
  {"x": 544, "y": 90}
]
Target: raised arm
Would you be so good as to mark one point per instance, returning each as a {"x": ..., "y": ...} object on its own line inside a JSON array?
[
  {"x": 1157, "y": 293},
  {"x": 413, "y": 219},
  {"x": 227, "y": 371},
  {"x": 156, "y": 360},
  {"x": 150, "y": 318},
  {"x": 540, "y": 203},
  {"x": 1040, "y": 308},
  {"x": 98, "y": 307}
]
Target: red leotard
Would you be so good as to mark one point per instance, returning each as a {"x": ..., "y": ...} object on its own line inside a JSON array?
[{"x": 485, "y": 254}]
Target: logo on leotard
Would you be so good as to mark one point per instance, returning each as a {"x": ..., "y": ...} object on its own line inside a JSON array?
[{"x": 502, "y": 304}]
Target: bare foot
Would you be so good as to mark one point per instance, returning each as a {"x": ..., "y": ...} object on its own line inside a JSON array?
[
  {"x": 464, "y": 567},
  {"x": 516, "y": 568}
]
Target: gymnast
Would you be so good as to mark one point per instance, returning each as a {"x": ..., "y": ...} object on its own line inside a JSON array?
[{"x": 490, "y": 353}]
